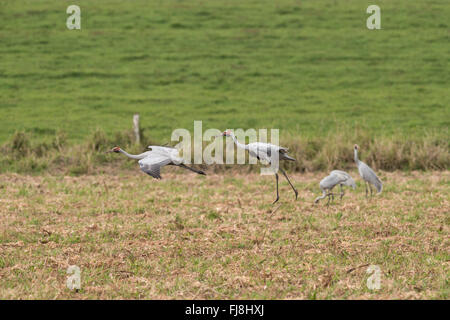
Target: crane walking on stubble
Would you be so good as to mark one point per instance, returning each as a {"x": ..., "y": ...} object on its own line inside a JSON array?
[
  {"x": 336, "y": 177},
  {"x": 152, "y": 161},
  {"x": 367, "y": 174},
  {"x": 265, "y": 152}
]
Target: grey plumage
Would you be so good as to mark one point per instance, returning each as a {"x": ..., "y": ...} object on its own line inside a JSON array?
[
  {"x": 151, "y": 161},
  {"x": 152, "y": 164},
  {"x": 266, "y": 153},
  {"x": 367, "y": 174},
  {"x": 336, "y": 177},
  {"x": 345, "y": 178}
]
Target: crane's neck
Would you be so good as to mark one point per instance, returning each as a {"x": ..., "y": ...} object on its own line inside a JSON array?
[
  {"x": 356, "y": 156},
  {"x": 133, "y": 156},
  {"x": 240, "y": 145}
]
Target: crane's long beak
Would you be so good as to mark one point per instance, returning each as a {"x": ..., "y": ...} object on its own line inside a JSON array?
[{"x": 108, "y": 151}]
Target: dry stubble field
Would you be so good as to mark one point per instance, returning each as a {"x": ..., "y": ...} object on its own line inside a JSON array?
[{"x": 194, "y": 237}]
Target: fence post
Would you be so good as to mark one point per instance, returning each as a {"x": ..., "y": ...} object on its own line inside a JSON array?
[{"x": 136, "y": 128}]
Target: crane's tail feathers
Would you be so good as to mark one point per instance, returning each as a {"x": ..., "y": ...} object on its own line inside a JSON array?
[
  {"x": 286, "y": 157},
  {"x": 379, "y": 186}
]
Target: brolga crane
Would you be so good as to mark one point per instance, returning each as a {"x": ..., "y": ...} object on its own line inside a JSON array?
[
  {"x": 152, "y": 161},
  {"x": 265, "y": 152},
  {"x": 336, "y": 177},
  {"x": 367, "y": 174}
]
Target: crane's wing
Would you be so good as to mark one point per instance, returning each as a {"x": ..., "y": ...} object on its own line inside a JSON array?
[
  {"x": 265, "y": 151},
  {"x": 152, "y": 164},
  {"x": 340, "y": 172},
  {"x": 269, "y": 146},
  {"x": 329, "y": 182},
  {"x": 379, "y": 185},
  {"x": 281, "y": 151},
  {"x": 161, "y": 148},
  {"x": 377, "y": 182},
  {"x": 259, "y": 150},
  {"x": 170, "y": 152},
  {"x": 350, "y": 182},
  {"x": 347, "y": 180},
  {"x": 369, "y": 175}
]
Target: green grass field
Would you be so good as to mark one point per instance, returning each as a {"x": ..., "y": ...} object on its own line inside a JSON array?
[
  {"x": 305, "y": 67},
  {"x": 309, "y": 68}
]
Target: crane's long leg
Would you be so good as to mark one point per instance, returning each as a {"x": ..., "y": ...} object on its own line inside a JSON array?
[
  {"x": 278, "y": 195},
  {"x": 367, "y": 191},
  {"x": 342, "y": 191},
  {"x": 327, "y": 193},
  {"x": 329, "y": 198},
  {"x": 287, "y": 178},
  {"x": 182, "y": 165},
  {"x": 371, "y": 190}
]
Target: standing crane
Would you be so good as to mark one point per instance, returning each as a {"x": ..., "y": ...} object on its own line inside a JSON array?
[
  {"x": 336, "y": 177},
  {"x": 367, "y": 174},
  {"x": 152, "y": 161},
  {"x": 265, "y": 152}
]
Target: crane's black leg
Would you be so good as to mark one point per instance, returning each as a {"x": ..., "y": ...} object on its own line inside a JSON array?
[
  {"x": 342, "y": 191},
  {"x": 367, "y": 191},
  {"x": 278, "y": 196},
  {"x": 192, "y": 169},
  {"x": 329, "y": 198},
  {"x": 371, "y": 190},
  {"x": 293, "y": 188}
]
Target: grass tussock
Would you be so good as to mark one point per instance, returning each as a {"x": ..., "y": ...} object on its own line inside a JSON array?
[
  {"x": 22, "y": 154},
  {"x": 389, "y": 153}
]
